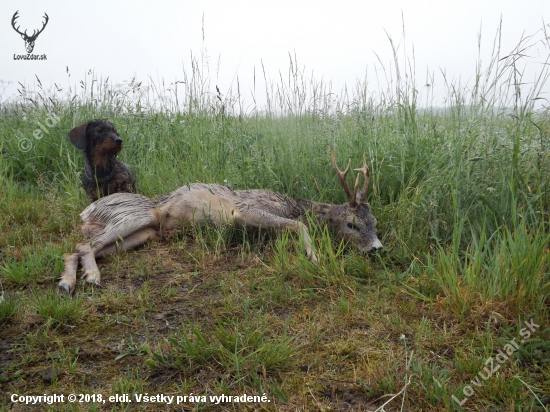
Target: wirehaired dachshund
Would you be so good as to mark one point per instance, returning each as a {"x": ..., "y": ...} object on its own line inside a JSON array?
[{"x": 103, "y": 173}]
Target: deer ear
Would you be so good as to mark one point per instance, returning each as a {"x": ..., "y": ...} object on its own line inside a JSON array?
[{"x": 78, "y": 136}]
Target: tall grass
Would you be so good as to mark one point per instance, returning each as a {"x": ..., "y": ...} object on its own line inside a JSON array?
[
  {"x": 510, "y": 267},
  {"x": 480, "y": 161}
]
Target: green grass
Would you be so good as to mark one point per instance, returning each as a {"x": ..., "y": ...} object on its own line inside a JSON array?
[
  {"x": 8, "y": 307},
  {"x": 53, "y": 307},
  {"x": 461, "y": 194},
  {"x": 240, "y": 355}
]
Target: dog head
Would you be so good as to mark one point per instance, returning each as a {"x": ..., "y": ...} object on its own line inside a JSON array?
[{"x": 98, "y": 138}]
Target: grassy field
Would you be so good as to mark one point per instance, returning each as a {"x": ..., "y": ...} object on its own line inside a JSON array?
[{"x": 461, "y": 193}]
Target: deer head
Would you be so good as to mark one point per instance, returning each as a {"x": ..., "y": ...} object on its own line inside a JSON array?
[
  {"x": 354, "y": 221},
  {"x": 29, "y": 40}
]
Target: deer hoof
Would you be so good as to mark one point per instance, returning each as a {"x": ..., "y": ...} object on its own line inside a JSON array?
[
  {"x": 91, "y": 279},
  {"x": 312, "y": 257},
  {"x": 93, "y": 282},
  {"x": 64, "y": 288}
]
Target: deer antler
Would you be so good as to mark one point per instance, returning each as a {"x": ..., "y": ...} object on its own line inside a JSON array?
[
  {"x": 342, "y": 176},
  {"x": 15, "y": 17},
  {"x": 43, "y": 26},
  {"x": 35, "y": 33},
  {"x": 366, "y": 173}
]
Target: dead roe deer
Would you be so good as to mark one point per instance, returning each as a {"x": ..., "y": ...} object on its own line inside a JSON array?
[{"x": 123, "y": 221}]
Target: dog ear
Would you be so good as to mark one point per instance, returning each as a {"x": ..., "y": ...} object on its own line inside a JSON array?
[{"x": 78, "y": 136}]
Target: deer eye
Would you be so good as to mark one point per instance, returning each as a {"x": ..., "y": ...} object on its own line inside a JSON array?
[{"x": 353, "y": 226}]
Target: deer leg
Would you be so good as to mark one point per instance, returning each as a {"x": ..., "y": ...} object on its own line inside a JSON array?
[
  {"x": 129, "y": 242},
  {"x": 67, "y": 280},
  {"x": 88, "y": 255},
  {"x": 89, "y": 266},
  {"x": 301, "y": 229},
  {"x": 262, "y": 219},
  {"x": 127, "y": 226}
]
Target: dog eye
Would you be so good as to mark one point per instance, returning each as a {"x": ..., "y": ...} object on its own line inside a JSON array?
[{"x": 353, "y": 226}]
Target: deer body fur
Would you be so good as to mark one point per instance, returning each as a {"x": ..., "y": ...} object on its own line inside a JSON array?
[{"x": 122, "y": 221}]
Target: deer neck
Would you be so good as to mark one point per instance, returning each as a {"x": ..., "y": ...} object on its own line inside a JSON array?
[{"x": 320, "y": 211}]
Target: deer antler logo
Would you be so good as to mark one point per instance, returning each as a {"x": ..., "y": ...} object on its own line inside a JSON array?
[{"x": 29, "y": 40}]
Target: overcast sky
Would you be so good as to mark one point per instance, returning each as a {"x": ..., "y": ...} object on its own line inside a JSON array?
[{"x": 335, "y": 40}]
